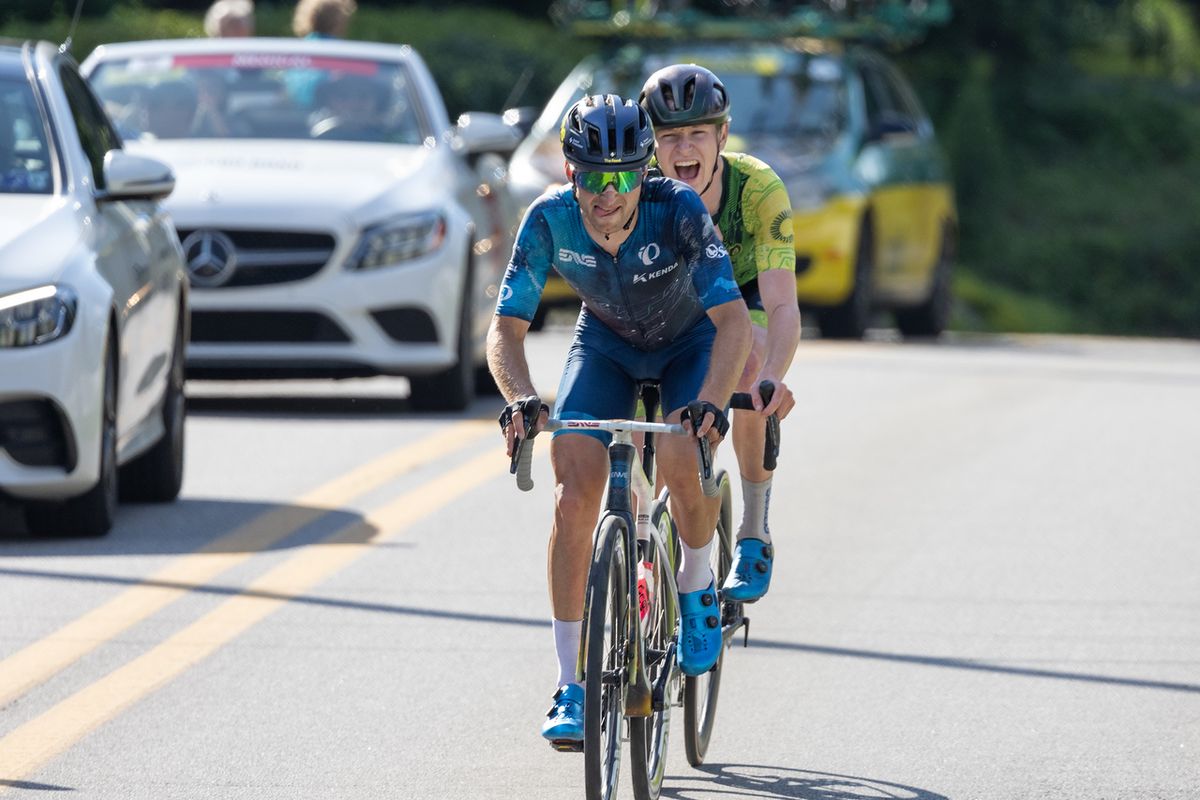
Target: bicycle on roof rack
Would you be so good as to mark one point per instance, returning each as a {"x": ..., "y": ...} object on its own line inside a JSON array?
[{"x": 627, "y": 658}]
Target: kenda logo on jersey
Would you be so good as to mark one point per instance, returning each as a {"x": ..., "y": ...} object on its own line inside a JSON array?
[
  {"x": 579, "y": 258},
  {"x": 646, "y": 277}
]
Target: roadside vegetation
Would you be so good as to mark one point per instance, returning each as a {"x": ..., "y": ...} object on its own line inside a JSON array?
[{"x": 1073, "y": 129}]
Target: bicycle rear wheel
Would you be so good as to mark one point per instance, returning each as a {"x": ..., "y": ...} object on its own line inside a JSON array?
[
  {"x": 606, "y": 631},
  {"x": 648, "y": 736},
  {"x": 700, "y": 692}
]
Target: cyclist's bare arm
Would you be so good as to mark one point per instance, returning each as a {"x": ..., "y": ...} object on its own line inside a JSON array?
[
  {"x": 510, "y": 369},
  {"x": 777, "y": 287},
  {"x": 731, "y": 346}
]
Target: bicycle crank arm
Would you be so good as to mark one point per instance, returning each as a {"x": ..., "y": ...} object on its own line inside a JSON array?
[
  {"x": 729, "y": 630},
  {"x": 664, "y": 677}
]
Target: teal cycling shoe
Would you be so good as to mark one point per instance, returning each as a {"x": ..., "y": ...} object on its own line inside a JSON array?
[
  {"x": 699, "y": 631},
  {"x": 564, "y": 721},
  {"x": 750, "y": 574}
]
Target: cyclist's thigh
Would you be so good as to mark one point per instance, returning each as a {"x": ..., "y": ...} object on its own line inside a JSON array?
[
  {"x": 595, "y": 383},
  {"x": 685, "y": 365}
]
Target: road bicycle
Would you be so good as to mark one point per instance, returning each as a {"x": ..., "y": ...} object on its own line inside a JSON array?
[{"x": 627, "y": 660}]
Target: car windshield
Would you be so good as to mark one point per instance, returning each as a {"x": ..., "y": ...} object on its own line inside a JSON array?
[
  {"x": 772, "y": 91},
  {"x": 260, "y": 96},
  {"x": 24, "y": 155}
]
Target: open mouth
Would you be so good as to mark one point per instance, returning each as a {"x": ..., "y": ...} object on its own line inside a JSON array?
[{"x": 687, "y": 170}]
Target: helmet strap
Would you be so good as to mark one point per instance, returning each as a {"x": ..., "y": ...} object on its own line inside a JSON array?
[
  {"x": 713, "y": 176},
  {"x": 628, "y": 222}
]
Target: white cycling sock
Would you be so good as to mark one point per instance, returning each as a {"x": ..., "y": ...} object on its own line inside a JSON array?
[
  {"x": 756, "y": 501},
  {"x": 567, "y": 633},
  {"x": 695, "y": 573}
]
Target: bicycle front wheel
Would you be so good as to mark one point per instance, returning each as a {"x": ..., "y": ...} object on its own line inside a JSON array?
[
  {"x": 606, "y": 631},
  {"x": 648, "y": 735},
  {"x": 700, "y": 692}
]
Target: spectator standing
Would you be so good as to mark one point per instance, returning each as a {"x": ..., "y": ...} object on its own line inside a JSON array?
[
  {"x": 229, "y": 18},
  {"x": 323, "y": 19}
]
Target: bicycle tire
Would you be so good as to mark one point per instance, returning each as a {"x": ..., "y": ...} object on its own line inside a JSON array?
[
  {"x": 700, "y": 692},
  {"x": 649, "y": 736},
  {"x": 606, "y": 631}
]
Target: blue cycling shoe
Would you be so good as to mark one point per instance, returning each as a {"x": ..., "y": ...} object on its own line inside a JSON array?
[
  {"x": 750, "y": 574},
  {"x": 564, "y": 722},
  {"x": 699, "y": 630}
]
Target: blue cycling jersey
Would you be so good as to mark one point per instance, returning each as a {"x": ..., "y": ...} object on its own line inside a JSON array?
[{"x": 670, "y": 270}]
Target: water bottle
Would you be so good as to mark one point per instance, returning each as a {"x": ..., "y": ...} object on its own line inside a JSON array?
[{"x": 645, "y": 587}]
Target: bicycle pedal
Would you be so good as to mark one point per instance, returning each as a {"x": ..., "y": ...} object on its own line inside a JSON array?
[{"x": 567, "y": 745}]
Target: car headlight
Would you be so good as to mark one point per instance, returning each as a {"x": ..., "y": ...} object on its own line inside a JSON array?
[
  {"x": 36, "y": 316},
  {"x": 397, "y": 240}
]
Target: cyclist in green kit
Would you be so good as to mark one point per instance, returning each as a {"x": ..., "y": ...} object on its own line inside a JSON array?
[{"x": 749, "y": 205}]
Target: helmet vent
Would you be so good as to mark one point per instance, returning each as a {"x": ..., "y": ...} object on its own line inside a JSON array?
[
  {"x": 668, "y": 95},
  {"x": 629, "y": 144},
  {"x": 593, "y": 137},
  {"x": 689, "y": 93}
]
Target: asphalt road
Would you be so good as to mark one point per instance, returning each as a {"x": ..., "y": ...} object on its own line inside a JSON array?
[{"x": 987, "y": 587}]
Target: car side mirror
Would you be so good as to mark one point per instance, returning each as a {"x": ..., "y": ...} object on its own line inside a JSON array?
[
  {"x": 130, "y": 177},
  {"x": 483, "y": 132}
]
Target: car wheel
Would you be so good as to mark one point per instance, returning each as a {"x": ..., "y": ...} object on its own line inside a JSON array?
[
  {"x": 92, "y": 513},
  {"x": 452, "y": 389},
  {"x": 850, "y": 319},
  {"x": 156, "y": 476},
  {"x": 931, "y": 316}
]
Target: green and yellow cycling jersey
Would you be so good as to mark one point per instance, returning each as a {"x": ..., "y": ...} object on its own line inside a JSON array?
[{"x": 755, "y": 220}]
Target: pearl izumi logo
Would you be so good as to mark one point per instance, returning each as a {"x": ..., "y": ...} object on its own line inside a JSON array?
[
  {"x": 648, "y": 253},
  {"x": 646, "y": 277},
  {"x": 715, "y": 251},
  {"x": 579, "y": 258}
]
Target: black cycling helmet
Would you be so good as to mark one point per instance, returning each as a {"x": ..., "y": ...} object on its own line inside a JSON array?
[
  {"x": 606, "y": 133},
  {"x": 684, "y": 94}
]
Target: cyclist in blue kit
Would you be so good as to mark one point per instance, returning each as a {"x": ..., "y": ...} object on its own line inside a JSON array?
[{"x": 659, "y": 303}]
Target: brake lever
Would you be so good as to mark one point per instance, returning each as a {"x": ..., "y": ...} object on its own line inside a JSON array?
[{"x": 766, "y": 390}]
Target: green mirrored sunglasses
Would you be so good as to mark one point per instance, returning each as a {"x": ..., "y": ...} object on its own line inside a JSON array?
[{"x": 597, "y": 182}]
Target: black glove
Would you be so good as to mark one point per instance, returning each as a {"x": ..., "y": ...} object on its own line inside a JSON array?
[
  {"x": 531, "y": 409},
  {"x": 696, "y": 410}
]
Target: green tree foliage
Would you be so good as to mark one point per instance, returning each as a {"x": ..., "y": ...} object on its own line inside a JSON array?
[{"x": 1074, "y": 137}]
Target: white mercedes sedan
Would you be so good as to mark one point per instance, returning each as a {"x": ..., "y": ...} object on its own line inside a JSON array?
[
  {"x": 93, "y": 306},
  {"x": 334, "y": 221}
]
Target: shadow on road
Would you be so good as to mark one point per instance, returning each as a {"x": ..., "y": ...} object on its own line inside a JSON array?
[
  {"x": 784, "y": 783},
  {"x": 32, "y": 787},
  {"x": 974, "y": 665},
  {"x": 189, "y": 526}
]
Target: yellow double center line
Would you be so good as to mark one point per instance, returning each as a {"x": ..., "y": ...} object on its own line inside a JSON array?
[{"x": 32, "y": 744}]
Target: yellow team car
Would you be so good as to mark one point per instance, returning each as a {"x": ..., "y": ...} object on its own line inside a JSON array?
[{"x": 875, "y": 220}]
